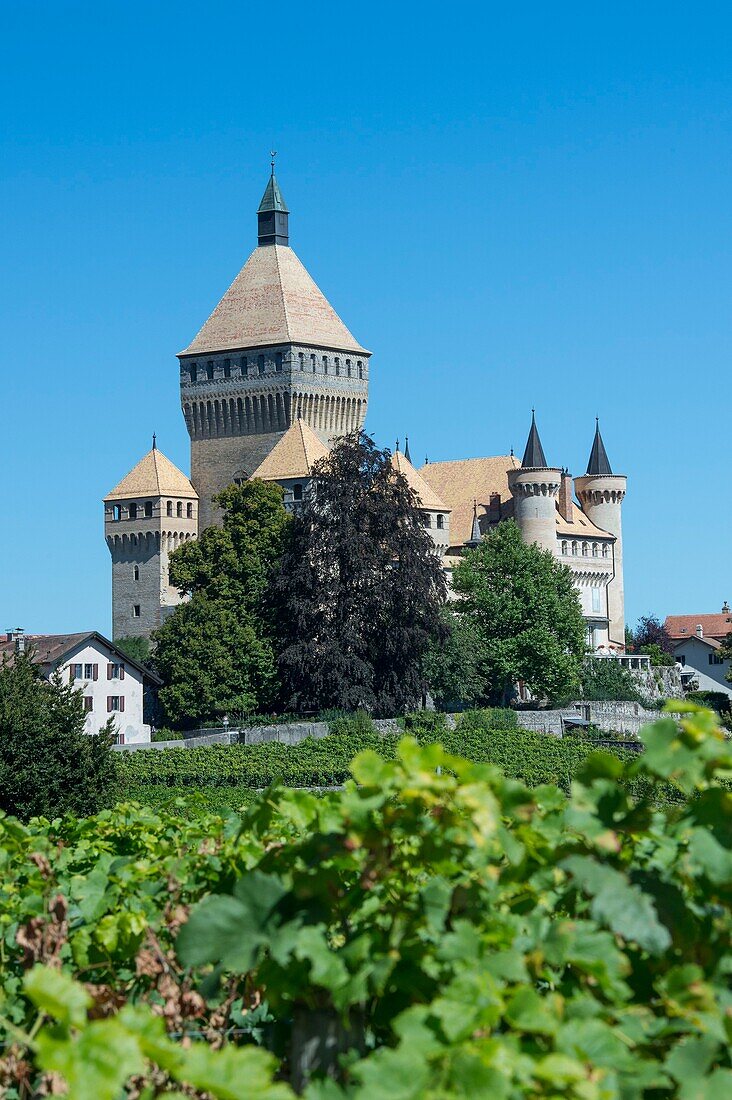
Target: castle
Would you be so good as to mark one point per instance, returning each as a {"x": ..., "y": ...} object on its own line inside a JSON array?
[{"x": 269, "y": 382}]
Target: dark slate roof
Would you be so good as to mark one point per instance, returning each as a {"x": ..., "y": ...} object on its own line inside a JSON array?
[
  {"x": 598, "y": 463},
  {"x": 534, "y": 457},
  {"x": 272, "y": 198}
]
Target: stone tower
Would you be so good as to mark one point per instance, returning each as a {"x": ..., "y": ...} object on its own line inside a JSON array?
[
  {"x": 147, "y": 516},
  {"x": 601, "y": 493},
  {"x": 273, "y": 350},
  {"x": 535, "y": 487}
]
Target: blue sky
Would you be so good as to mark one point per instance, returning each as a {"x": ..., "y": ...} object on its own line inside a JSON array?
[{"x": 511, "y": 205}]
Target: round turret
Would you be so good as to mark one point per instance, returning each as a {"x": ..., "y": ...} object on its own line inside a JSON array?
[{"x": 535, "y": 487}]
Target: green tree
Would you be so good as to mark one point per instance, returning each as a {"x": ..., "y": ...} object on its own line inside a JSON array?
[
  {"x": 360, "y": 588},
  {"x": 725, "y": 652},
  {"x": 525, "y": 615},
  {"x": 215, "y": 653},
  {"x": 452, "y": 663},
  {"x": 48, "y": 765},
  {"x": 137, "y": 648},
  {"x": 604, "y": 678},
  {"x": 650, "y": 631}
]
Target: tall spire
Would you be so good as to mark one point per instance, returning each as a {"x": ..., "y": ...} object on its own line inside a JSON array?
[
  {"x": 475, "y": 535},
  {"x": 273, "y": 215},
  {"x": 406, "y": 449},
  {"x": 598, "y": 463},
  {"x": 534, "y": 457}
]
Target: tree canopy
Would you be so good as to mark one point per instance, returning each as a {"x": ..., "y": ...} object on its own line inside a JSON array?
[
  {"x": 650, "y": 631},
  {"x": 360, "y": 587},
  {"x": 215, "y": 653},
  {"x": 48, "y": 764},
  {"x": 525, "y": 615}
]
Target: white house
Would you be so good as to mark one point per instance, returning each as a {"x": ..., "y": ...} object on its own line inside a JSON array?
[
  {"x": 112, "y": 684},
  {"x": 700, "y": 655}
]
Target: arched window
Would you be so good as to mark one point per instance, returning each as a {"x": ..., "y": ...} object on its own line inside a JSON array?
[
  {"x": 360, "y": 371},
  {"x": 301, "y": 360},
  {"x": 348, "y": 367},
  {"x": 179, "y": 509},
  {"x": 209, "y": 371},
  {"x": 260, "y": 364},
  {"x": 133, "y": 511},
  {"x": 227, "y": 368},
  {"x": 595, "y": 549},
  {"x": 136, "y": 572},
  {"x": 427, "y": 519},
  {"x": 440, "y": 523},
  {"x": 169, "y": 508},
  {"x": 148, "y": 509},
  {"x": 244, "y": 365},
  {"x": 193, "y": 372},
  {"x": 297, "y": 492},
  {"x": 338, "y": 365},
  {"x": 585, "y": 549},
  {"x": 325, "y": 364},
  {"x": 278, "y": 362},
  {"x": 564, "y": 546},
  {"x": 189, "y": 511},
  {"x": 574, "y": 547},
  {"x": 312, "y": 363},
  {"x": 605, "y": 549}
]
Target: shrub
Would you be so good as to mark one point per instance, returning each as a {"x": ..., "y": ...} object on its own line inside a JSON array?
[
  {"x": 166, "y": 735},
  {"x": 358, "y": 724},
  {"x": 604, "y": 678},
  {"x": 659, "y": 658},
  {"x": 426, "y": 724}
]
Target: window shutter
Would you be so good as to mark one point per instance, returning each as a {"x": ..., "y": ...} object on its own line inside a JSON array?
[
  {"x": 110, "y": 670},
  {"x": 121, "y": 672},
  {"x": 71, "y": 674},
  {"x": 95, "y": 672},
  {"x": 121, "y": 704},
  {"x": 109, "y": 704}
]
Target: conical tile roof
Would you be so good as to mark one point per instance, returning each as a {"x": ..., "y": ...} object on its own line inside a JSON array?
[
  {"x": 153, "y": 476},
  {"x": 273, "y": 300},
  {"x": 272, "y": 198},
  {"x": 293, "y": 455},
  {"x": 428, "y": 498}
]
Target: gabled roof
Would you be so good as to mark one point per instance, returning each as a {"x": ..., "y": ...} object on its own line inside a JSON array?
[
  {"x": 598, "y": 463},
  {"x": 52, "y": 649},
  {"x": 427, "y": 495},
  {"x": 713, "y": 626},
  {"x": 273, "y": 300},
  {"x": 461, "y": 482},
  {"x": 710, "y": 643},
  {"x": 153, "y": 476},
  {"x": 293, "y": 455}
]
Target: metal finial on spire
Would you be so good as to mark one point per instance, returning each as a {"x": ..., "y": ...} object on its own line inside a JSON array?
[
  {"x": 273, "y": 154},
  {"x": 155, "y": 442},
  {"x": 396, "y": 448},
  {"x": 406, "y": 449},
  {"x": 426, "y": 460}
]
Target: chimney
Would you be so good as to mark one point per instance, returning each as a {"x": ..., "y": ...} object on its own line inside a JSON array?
[
  {"x": 566, "y": 504},
  {"x": 494, "y": 508},
  {"x": 725, "y": 608},
  {"x": 17, "y": 636},
  {"x": 700, "y": 631}
]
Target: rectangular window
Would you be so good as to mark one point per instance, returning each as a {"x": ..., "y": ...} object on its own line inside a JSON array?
[
  {"x": 189, "y": 511},
  {"x": 115, "y": 672},
  {"x": 115, "y": 703},
  {"x": 116, "y": 512},
  {"x": 278, "y": 361},
  {"x": 715, "y": 660},
  {"x": 596, "y": 602},
  {"x": 260, "y": 364},
  {"x": 136, "y": 611},
  {"x": 210, "y": 371},
  {"x": 88, "y": 672},
  {"x": 244, "y": 365},
  {"x": 88, "y": 703},
  {"x": 76, "y": 672},
  {"x": 227, "y": 368}
]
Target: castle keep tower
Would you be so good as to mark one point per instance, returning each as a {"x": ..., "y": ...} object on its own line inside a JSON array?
[
  {"x": 535, "y": 487},
  {"x": 147, "y": 516},
  {"x": 601, "y": 493},
  {"x": 273, "y": 350}
]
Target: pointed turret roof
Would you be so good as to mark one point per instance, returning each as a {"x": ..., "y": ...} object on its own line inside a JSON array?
[
  {"x": 598, "y": 463},
  {"x": 153, "y": 476},
  {"x": 293, "y": 455},
  {"x": 475, "y": 535},
  {"x": 534, "y": 457},
  {"x": 428, "y": 498},
  {"x": 273, "y": 300},
  {"x": 272, "y": 198},
  {"x": 406, "y": 449}
]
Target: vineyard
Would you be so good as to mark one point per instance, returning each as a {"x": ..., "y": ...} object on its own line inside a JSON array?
[{"x": 435, "y": 929}]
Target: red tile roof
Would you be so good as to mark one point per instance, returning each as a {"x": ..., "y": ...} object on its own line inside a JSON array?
[{"x": 713, "y": 626}]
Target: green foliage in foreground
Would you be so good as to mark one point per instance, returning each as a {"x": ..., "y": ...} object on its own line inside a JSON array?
[{"x": 453, "y": 932}]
